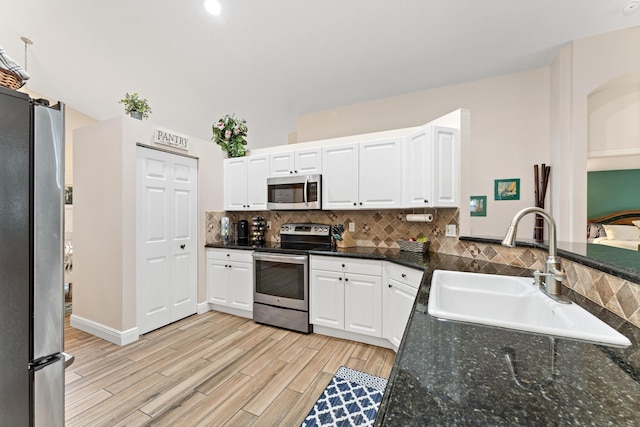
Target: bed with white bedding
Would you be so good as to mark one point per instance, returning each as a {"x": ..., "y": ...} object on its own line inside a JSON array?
[{"x": 619, "y": 229}]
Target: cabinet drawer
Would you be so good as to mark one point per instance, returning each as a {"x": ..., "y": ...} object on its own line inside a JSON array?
[
  {"x": 347, "y": 265},
  {"x": 229, "y": 255},
  {"x": 406, "y": 275}
]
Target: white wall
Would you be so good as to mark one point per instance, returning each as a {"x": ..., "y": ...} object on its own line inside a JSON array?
[
  {"x": 518, "y": 120},
  {"x": 104, "y": 217},
  {"x": 580, "y": 69},
  {"x": 509, "y": 133}
]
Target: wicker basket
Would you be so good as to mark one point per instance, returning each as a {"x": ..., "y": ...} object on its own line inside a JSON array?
[
  {"x": 408, "y": 246},
  {"x": 9, "y": 79}
]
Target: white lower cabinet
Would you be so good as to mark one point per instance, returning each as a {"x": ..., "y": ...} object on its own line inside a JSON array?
[
  {"x": 400, "y": 293},
  {"x": 346, "y": 294},
  {"x": 230, "y": 281}
]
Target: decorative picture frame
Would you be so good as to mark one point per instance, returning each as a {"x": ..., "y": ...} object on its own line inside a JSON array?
[
  {"x": 507, "y": 189},
  {"x": 478, "y": 205}
]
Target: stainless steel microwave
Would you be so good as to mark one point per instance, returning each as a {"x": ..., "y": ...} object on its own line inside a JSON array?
[{"x": 297, "y": 192}]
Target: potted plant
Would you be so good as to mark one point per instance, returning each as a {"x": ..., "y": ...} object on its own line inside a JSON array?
[
  {"x": 230, "y": 133},
  {"x": 135, "y": 106}
]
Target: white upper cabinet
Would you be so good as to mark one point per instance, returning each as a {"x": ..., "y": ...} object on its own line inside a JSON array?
[
  {"x": 400, "y": 170},
  {"x": 245, "y": 183},
  {"x": 430, "y": 168},
  {"x": 340, "y": 177},
  {"x": 365, "y": 175},
  {"x": 417, "y": 170},
  {"x": 300, "y": 162},
  {"x": 235, "y": 184},
  {"x": 447, "y": 167},
  {"x": 380, "y": 177}
]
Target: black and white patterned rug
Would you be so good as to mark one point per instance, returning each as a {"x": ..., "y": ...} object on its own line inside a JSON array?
[{"x": 352, "y": 398}]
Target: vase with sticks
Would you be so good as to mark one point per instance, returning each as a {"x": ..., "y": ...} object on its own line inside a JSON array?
[{"x": 541, "y": 183}]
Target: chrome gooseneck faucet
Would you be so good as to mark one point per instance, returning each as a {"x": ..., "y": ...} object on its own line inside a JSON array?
[{"x": 549, "y": 281}]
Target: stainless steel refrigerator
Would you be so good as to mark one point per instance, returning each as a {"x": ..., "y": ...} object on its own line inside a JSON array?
[{"x": 31, "y": 261}]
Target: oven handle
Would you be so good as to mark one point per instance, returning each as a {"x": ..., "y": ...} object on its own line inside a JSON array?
[{"x": 290, "y": 259}]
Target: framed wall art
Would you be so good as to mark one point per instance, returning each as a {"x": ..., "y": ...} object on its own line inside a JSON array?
[
  {"x": 478, "y": 206},
  {"x": 507, "y": 189}
]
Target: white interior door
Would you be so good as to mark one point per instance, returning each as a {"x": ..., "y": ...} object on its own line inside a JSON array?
[{"x": 166, "y": 239}]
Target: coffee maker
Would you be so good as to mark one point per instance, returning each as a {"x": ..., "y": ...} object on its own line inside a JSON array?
[{"x": 243, "y": 232}]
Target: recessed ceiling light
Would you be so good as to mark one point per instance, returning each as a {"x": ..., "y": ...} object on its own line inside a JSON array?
[
  {"x": 630, "y": 7},
  {"x": 213, "y": 7}
]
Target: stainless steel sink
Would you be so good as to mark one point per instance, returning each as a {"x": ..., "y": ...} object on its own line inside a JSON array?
[{"x": 514, "y": 303}]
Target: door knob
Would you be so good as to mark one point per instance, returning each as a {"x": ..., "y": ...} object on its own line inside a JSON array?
[
  {"x": 390, "y": 285},
  {"x": 182, "y": 246}
]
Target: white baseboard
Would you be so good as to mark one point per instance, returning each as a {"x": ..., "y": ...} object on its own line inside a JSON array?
[
  {"x": 105, "y": 332},
  {"x": 203, "y": 307},
  {"x": 230, "y": 310},
  {"x": 347, "y": 335}
]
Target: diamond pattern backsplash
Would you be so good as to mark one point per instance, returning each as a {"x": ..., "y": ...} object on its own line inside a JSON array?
[
  {"x": 383, "y": 228},
  {"x": 372, "y": 228}
]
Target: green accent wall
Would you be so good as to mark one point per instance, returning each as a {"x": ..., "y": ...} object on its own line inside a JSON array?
[{"x": 612, "y": 191}]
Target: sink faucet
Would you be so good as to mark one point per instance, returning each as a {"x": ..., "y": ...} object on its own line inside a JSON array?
[{"x": 550, "y": 280}]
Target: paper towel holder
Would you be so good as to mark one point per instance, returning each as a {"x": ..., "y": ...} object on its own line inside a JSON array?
[{"x": 426, "y": 217}]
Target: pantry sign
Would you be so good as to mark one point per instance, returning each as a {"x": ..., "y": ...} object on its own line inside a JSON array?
[{"x": 170, "y": 139}]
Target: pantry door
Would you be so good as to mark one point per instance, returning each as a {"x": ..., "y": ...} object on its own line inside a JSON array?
[{"x": 166, "y": 239}]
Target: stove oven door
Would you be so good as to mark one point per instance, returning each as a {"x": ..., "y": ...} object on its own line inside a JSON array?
[{"x": 281, "y": 280}]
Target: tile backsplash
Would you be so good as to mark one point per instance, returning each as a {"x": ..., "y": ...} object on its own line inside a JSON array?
[
  {"x": 372, "y": 228},
  {"x": 383, "y": 228}
]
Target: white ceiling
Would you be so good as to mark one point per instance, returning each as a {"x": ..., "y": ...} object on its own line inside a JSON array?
[{"x": 270, "y": 61}]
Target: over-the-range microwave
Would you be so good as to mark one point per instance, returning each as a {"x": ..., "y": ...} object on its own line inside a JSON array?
[{"x": 296, "y": 192}]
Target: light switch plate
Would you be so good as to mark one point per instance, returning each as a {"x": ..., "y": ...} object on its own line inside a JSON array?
[
  {"x": 451, "y": 230},
  {"x": 268, "y": 225},
  {"x": 352, "y": 227}
]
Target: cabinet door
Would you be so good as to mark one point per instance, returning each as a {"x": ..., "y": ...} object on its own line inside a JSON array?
[
  {"x": 217, "y": 279},
  {"x": 326, "y": 297},
  {"x": 308, "y": 162},
  {"x": 340, "y": 177},
  {"x": 417, "y": 169},
  {"x": 240, "y": 286},
  {"x": 235, "y": 184},
  {"x": 257, "y": 173},
  {"x": 281, "y": 164},
  {"x": 363, "y": 304},
  {"x": 446, "y": 167},
  {"x": 380, "y": 177},
  {"x": 399, "y": 300}
]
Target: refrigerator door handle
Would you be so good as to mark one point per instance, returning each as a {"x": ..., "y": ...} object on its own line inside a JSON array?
[
  {"x": 45, "y": 361},
  {"x": 68, "y": 359}
]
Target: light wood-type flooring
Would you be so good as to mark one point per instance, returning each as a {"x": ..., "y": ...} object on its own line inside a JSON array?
[{"x": 212, "y": 369}]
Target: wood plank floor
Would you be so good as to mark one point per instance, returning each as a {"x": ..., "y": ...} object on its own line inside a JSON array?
[{"x": 212, "y": 369}]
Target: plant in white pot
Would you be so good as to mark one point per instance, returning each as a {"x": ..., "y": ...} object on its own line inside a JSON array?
[
  {"x": 135, "y": 106},
  {"x": 230, "y": 133}
]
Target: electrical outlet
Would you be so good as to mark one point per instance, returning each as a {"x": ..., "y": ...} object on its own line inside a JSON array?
[
  {"x": 268, "y": 225},
  {"x": 451, "y": 230},
  {"x": 352, "y": 227}
]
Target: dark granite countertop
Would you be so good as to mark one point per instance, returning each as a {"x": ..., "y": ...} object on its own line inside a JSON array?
[{"x": 452, "y": 373}]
